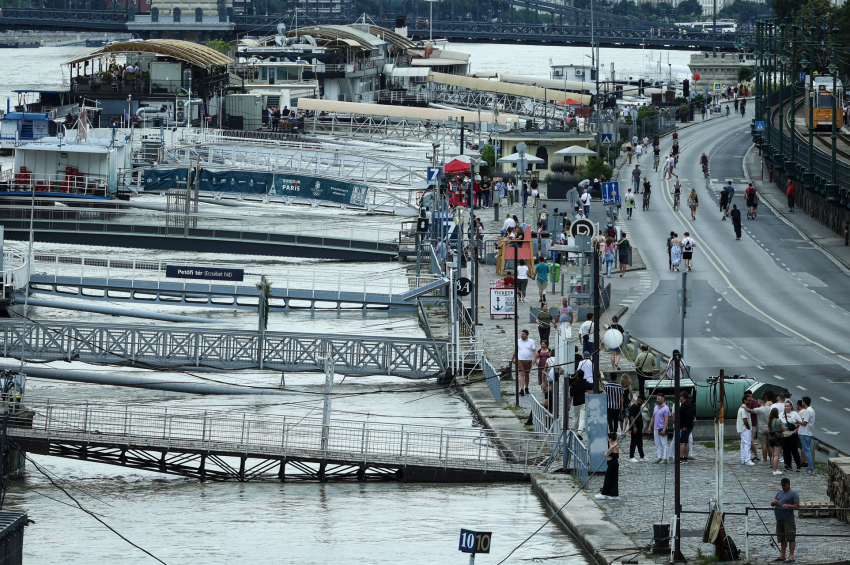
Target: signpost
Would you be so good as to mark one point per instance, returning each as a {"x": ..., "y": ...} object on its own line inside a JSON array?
[
  {"x": 759, "y": 126},
  {"x": 718, "y": 86},
  {"x": 474, "y": 542},
  {"x": 610, "y": 193},
  {"x": 607, "y": 138},
  {"x": 434, "y": 174},
  {"x": 501, "y": 299},
  {"x": 464, "y": 286},
  {"x": 582, "y": 226}
]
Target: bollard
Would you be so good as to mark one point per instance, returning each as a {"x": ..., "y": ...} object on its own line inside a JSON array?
[
  {"x": 813, "y": 447},
  {"x": 846, "y": 233},
  {"x": 496, "y": 208}
]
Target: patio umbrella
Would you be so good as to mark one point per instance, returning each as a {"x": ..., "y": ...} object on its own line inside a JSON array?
[
  {"x": 574, "y": 151},
  {"x": 514, "y": 158},
  {"x": 569, "y": 102},
  {"x": 456, "y": 166},
  {"x": 455, "y": 151}
]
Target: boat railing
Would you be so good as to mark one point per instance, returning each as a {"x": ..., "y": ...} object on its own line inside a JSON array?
[
  {"x": 67, "y": 182},
  {"x": 15, "y": 271}
]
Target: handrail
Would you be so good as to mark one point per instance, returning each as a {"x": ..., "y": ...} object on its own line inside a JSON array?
[
  {"x": 16, "y": 271},
  {"x": 493, "y": 380}
]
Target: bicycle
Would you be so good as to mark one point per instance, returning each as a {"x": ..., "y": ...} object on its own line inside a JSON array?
[
  {"x": 677, "y": 193},
  {"x": 646, "y": 200},
  {"x": 705, "y": 170}
]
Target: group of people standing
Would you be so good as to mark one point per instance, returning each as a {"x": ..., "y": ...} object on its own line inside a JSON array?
[{"x": 275, "y": 114}]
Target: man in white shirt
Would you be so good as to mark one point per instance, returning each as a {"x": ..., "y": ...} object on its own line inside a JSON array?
[
  {"x": 525, "y": 356},
  {"x": 806, "y": 425},
  {"x": 509, "y": 223},
  {"x": 585, "y": 202},
  {"x": 688, "y": 245},
  {"x": 586, "y": 334},
  {"x": 639, "y": 152},
  {"x": 586, "y": 365},
  {"x": 743, "y": 427}
]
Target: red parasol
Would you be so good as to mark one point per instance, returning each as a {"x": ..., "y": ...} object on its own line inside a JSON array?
[
  {"x": 456, "y": 166},
  {"x": 569, "y": 101}
]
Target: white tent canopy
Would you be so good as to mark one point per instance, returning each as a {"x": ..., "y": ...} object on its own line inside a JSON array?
[
  {"x": 574, "y": 151},
  {"x": 514, "y": 158}
]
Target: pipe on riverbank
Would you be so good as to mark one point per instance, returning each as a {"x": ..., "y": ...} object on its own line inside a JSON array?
[
  {"x": 161, "y": 383},
  {"x": 112, "y": 310}
]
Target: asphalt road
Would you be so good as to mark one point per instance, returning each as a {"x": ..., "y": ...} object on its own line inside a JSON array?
[{"x": 770, "y": 306}]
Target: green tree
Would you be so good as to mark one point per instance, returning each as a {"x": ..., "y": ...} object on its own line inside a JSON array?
[
  {"x": 625, "y": 8},
  {"x": 744, "y": 12},
  {"x": 489, "y": 155},
  {"x": 597, "y": 168},
  {"x": 219, "y": 45},
  {"x": 745, "y": 74},
  {"x": 689, "y": 8}
]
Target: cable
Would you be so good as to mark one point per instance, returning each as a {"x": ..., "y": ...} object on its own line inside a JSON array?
[{"x": 90, "y": 513}]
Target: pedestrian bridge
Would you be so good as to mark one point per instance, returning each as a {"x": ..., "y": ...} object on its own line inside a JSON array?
[
  {"x": 242, "y": 446},
  {"x": 296, "y": 287},
  {"x": 189, "y": 348}
]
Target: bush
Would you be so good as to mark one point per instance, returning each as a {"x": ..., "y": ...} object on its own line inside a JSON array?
[
  {"x": 562, "y": 167},
  {"x": 647, "y": 111},
  {"x": 561, "y": 177},
  {"x": 488, "y": 154},
  {"x": 597, "y": 168}
]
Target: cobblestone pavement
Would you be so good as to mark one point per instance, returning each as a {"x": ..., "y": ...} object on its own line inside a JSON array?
[{"x": 647, "y": 494}]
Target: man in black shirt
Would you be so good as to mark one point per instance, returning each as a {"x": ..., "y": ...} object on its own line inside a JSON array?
[
  {"x": 686, "y": 424},
  {"x": 736, "y": 221},
  {"x": 636, "y": 428},
  {"x": 578, "y": 386}
]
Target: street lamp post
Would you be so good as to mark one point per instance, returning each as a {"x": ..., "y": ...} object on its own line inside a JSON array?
[
  {"x": 791, "y": 166},
  {"x": 783, "y": 59},
  {"x": 833, "y": 70},
  {"x": 812, "y": 99}
]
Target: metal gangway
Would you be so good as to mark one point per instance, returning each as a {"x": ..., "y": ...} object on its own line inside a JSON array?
[
  {"x": 222, "y": 349},
  {"x": 15, "y": 272},
  {"x": 293, "y": 287},
  {"x": 242, "y": 446}
]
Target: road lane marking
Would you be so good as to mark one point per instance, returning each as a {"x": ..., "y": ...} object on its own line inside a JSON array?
[
  {"x": 825, "y": 398},
  {"x": 778, "y": 377},
  {"x": 801, "y": 387}
]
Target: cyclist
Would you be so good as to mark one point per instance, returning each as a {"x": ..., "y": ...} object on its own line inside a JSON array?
[
  {"x": 727, "y": 110},
  {"x": 675, "y": 152},
  {"x": 743, "y": 107},
  {"x": 677, "y": 194},
  {"x": 656, "y": 152},
  {"x": 647, "y": 192},
  {"x": 703, "y": 160}
]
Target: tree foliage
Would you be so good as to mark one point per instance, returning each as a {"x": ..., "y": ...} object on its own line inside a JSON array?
[
  {"x": 744, "y": 12},
  {"x": 745, "y": 74},
  {"x": 689, "y": 8},
  {"x": 219, "y": 45}
]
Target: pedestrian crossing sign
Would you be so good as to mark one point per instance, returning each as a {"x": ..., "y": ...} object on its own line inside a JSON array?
[
  {"x": 759, "y": 126},
  {"x": 606, "y": 138},
  {"x": 718, "y": 86}
]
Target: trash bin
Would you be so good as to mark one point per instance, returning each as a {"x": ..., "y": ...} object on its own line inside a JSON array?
[
  {"x": 661, "y": 539},
  {"x": 555, "y": 272}
]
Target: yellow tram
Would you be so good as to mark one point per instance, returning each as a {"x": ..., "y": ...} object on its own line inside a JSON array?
[{"x": 822, "y": 112}]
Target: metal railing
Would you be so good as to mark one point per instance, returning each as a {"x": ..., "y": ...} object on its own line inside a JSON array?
[
  {"x": 268, "y": 436},
  {"x": 145, "y": 274},
  {"x": 576, "y": 457},
  {"x": 16, "y": 271},
  {"x": 493, "y": 380},
  {"x": 60, "y": 182},
  {"x": 223, "y": 349},
  {"x": 544, "y": 422}
]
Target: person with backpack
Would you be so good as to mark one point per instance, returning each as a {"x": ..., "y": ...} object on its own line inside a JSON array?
[
  {"x": 693, "y": 203},
  {"x": 724, "y": 202},
  {"x": 752, "y": 201},
  {"x": 688, "y": 245}
]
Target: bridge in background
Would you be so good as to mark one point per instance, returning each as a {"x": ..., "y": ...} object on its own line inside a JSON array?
[
  {"x": 608, "y": 30},
  {"x": 296, "y": 287},
  {"x": 194, "y": 348},
  {"x": 223, "y": 446}
]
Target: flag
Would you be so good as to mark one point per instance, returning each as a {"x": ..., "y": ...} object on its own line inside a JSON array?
[
  {"x": 81, "y": 128},
  {"x": 126, "y": 116}
]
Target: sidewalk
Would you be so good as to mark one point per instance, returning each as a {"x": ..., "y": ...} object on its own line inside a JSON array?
[{"x": 774, "y": 197}]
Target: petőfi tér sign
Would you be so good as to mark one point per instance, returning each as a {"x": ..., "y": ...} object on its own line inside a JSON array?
[{"x": 206, "y": 273}]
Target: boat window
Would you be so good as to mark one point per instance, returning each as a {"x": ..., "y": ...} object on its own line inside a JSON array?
[{"x": 263, "y": 75}]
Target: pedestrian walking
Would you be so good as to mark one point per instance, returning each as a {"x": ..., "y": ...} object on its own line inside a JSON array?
[
  {"x": 628, "y": 153},
  {"x": 752, "y": 196},
  {"x": 524, "y": 194},
  {"x": 626, "y": 383},
  {"x": 784, "y": 504},
  {"x": 585, "y": 202},
  {"x": 644, "y": 367},
  {"x": 744, "y": 429},
  {"x": 586, "y": 334},
  {"x": 789, "y": 192},
  {"x": 636, "y": 429},
  {"x": 693, "y": 203},
  {"x": 544, "y": 323},
  {"x": 524, "y": 355},
  {"x": 610, "y": 486},
  {"x": 675, "y": 252},
  {"x": 578, "y": 388},
  {"x": 586, "y": 367},
  {"x": 541, "y": 275},
  {"x": 614, "y": 396},
  {"x": 629, "y": 200},
  {"x": 616, "y": 352},
  {"x": 535, "y": 192},
  {"x": 686, "y": 424},
  {"x": 639, "y": 153},
  {"x": 564, "y": 314},
  {"x": 807, "y": 425},
  {"x": 724, "y": 203},
  {"x": 521, "y": 279},
  {"x": 608, "y": 257},
  {"x": 669, "y": 248},
  {"x": 736, "y": 221},
  {"x": 730, "y": 190},
  {"x": 624, "y": 247},
  {"x": 543, "y": 356},
  {"x": 791, "y": 440},
  {"x": 658, "y": 423},
  {"x": 688, "y": 245}
]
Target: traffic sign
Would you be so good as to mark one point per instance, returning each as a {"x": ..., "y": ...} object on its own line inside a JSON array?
[
  {"x": 759, "y": 126},
  {"x": 463, "y": 286},
  {"x": 606, "y": 138},
  {"x": 434, "y": 175},
  {"x": 475, "y": 542},
  {"x": 422, "y": 225},
  {"x": 611, "y": 192},
  {"x": 802, "y": 76},
  {"x": 582, "y": 226},
  {"x": 718, "y": 86}
]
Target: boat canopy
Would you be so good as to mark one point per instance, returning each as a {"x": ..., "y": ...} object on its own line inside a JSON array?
[
  {"x": 192, "y": 53},
  {"x": 505, "y": 88},
  {"x": 409, "y": 112}
]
